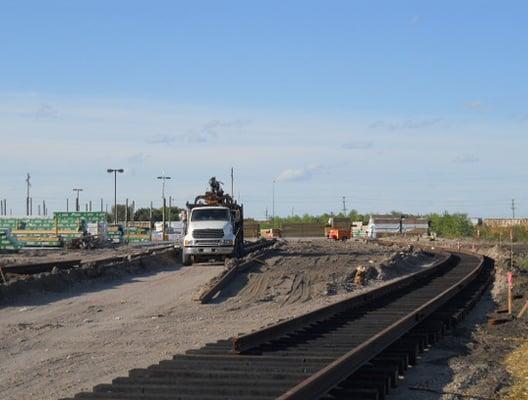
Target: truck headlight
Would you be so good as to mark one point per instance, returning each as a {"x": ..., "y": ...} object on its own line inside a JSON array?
[
  {"x": 187, "y": 242},
  {"x": 228, "y": 242}
]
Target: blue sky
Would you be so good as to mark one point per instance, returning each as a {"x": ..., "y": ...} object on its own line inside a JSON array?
[{"x": 408, "y": 105}]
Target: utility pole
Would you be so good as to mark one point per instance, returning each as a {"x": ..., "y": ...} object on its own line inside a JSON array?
[
  {"x": 163, "y": 178},
  {"x": 232, "y": 184},
  {"x": 344, "y": 206},
  {"x": 150, "y": 219},
  {"x": 90, "y": 206},
  {"x": 273, "y": 205},
  {"x": 67, "y": 204},
  {"x": 511, "y": 233},
  {"x": 170, "y": 206},
  {"x": 101, "y": 205},
  {"x": 115, "y": 171},
  {"x": 77, "y": 205},
  {"x": 126, "y": 213},
  {"x": 28, "y": 182}
]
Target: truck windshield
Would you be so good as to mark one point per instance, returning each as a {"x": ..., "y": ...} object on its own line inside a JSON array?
[{"x": 210, "y": 215}]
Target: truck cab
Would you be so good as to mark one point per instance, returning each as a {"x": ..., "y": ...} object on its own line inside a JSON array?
[
  {"x": 212, "y": 227},
  {"x": 209, "y": 234}
]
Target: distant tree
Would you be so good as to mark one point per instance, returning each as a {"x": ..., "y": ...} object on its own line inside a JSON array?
[
  {"x": 143, "y": 214},
  {"x": 451, "y": 225},
  {"x": 120, "y": 213}
]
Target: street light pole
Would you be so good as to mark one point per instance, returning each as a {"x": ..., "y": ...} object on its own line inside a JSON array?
[
  {"x": 77, "y": 205},
  {"x": 163, "y": 178},
  {"x": 273, "y": 205},
  {"x": 115, "y": 171}
]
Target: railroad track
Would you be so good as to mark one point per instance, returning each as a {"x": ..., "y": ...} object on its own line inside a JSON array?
[{"x": 356, "y": 348}]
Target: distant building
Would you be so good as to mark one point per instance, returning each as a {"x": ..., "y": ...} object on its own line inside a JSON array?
[
  {"x": 505, "y": 222},
  {"x": 385, "y": 225}
]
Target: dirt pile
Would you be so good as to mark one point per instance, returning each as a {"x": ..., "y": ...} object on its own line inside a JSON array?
[
  {"x": 64, "y": 279},
  {"x": 297, "y": 272}
]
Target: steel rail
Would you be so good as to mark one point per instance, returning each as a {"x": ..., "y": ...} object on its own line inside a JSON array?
[
  {"x": 251, "y": 340},
  {"x": 330, "y": 376},
  {"x": 322, "y": 354}
]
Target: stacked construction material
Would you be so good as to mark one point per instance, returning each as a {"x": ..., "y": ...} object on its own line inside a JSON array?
[
  {"x": 115, "y": 233},
  {"x": 7, "y": 241},
  {"x": 53, "y": 232},
  {"x": 32, "y": 232},
  {"x": 251, "y": 228},
  {"x": 75, "y": 224},
  {"x": 135, "y": 234},
  {"x": 303, "y": 230}
]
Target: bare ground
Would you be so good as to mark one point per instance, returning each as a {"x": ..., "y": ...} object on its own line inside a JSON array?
[{"x": 57, "y": 344}]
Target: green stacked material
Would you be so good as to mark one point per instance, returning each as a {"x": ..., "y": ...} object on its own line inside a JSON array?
[
  {"x": 136, "y": 234},
  {"x": 86, "y": 216},
  {"x": 7, "y": 241},
  {"x": 39, "y": 224},
  {"x": 11, "y": 223},
  {"x": 115, "y": 233},
  {"x": 41, "y": 232}
]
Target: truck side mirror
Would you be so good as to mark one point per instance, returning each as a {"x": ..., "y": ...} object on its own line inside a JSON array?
[{"x": 237, "y": 216}]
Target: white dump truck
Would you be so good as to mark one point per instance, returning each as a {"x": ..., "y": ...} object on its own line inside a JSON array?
[{"x": 213, "y": 227}]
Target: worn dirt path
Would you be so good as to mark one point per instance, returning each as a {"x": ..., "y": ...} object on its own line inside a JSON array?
[{"x": 68, "y": 343}]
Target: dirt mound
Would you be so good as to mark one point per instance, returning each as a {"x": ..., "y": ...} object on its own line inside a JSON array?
[
  {"x": 300, "y": 271},
  {"x": 60, "y": 280}
]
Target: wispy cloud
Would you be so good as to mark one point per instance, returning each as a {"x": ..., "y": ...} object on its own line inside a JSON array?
[
  {"x": 205, "y": 133},
  {"x": 475, "y": 105},
  {"x": 299, "y": 174},
  {"x": 357, "y": 145},
  {"x": 521, "y": 117},
  {"x": 415, "y": 19},
  {"x": 46, "y": 111},
  {"x": 138, "y": 158},
  {"x": 466, "y": 159},
  {"x": 409, "y": 124},
  {"x": 162, "y": 139}
]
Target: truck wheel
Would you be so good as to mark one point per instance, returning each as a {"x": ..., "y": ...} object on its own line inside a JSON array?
[{"x": 186, "y": 259}]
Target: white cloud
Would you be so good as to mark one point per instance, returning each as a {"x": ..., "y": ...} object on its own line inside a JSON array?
[
  {"x": 205, "y": 133},
  {"x": 298, "y": 174},
  {"x": 46, "y": 111},
  {"x": 357, "y": 145},
  {"x": 475, "y": 105},
  {"x": 415, "y": 19},
  {"x": 466, "y": 159},
  {"x": 408, "y": 124},
  {"x": 138, "y": 158}
]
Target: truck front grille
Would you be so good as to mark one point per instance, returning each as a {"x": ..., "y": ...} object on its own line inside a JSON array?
[
  {"x": 208, "y": 233},
  {"x": 207, "y": 242}
]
